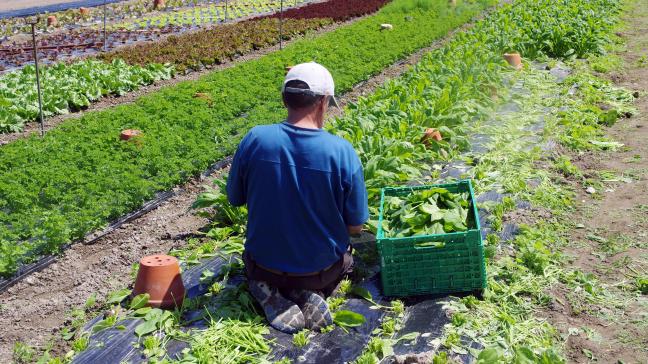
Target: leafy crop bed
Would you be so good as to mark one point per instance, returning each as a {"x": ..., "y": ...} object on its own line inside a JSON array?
[
  {"x": 339, "y": 10},
  {"x": 212, "y": 14},
  {"x": 185, "y": 52},
  {"x": 74, "y": 43},
  {"x": 80, "y": 176},
  {"x": 69, "y": 87},
  {"x": 203, "y": 48},
  {"x": 86, "y": 41},
  {"x": 124, "y": 12}
]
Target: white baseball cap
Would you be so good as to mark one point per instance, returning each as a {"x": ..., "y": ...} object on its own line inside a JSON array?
[{"x": 316, "y": 77}]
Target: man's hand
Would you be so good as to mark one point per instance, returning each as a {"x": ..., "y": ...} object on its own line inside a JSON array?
[{"x": 354, "y": 230}]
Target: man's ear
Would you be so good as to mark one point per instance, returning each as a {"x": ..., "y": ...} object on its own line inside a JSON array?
[{"x": 325, "y": 101}]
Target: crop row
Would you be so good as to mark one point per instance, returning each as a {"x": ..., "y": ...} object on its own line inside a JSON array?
[
  {"x": 339, "y": 10},
  {"x": 76, "y": 44},
  {"x": 206, "y": 15},
  {"x": 86, "y": 41},
  {"x": 207, "y": 47},
  {"x": 69, "y": 88},
  {"x": 118, "y": 11},
  {"x": 80, "y": 176}
]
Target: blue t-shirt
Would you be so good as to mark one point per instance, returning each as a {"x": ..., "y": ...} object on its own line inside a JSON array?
[{"x": 302, "y": 188}]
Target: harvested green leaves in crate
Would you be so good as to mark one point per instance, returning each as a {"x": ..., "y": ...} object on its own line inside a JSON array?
[{"x": 426, "y": 212}]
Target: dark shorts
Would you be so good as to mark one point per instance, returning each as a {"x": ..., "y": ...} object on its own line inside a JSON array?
[{"x": 324, "y": 281}]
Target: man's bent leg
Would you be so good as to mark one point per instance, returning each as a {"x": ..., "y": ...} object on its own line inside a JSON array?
[
  {"x": 345, "y": 270},
  {"x": 282, "y": 314},
  {"x": 314, "y": 307}
]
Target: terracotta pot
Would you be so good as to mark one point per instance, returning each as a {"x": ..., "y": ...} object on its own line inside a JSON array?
[
  {"x": 129, "y": 134},
  {"x": 431, "y": 134},
  {"x": 159, "y": 276},
  {"x": 157, "y": 4},
  {"x": 84, "y": 11},
  {"x": 52, "y": 21},
  {"x": 514, "y": 59}
]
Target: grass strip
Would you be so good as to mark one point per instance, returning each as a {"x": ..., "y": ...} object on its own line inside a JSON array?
[{"x": 80, "y": 176}]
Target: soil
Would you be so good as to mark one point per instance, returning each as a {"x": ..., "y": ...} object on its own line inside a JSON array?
[
  {"x": 35, "y": 310},
  {"x": 618, "y": 213}
]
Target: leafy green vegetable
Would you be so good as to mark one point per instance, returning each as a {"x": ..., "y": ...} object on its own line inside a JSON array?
[
  {"x": 301, "y": 339},
  {"x": 427, "y": 212},
  {"x": 118, "y": 296},
  {"x": 139, "y": 301},
  {"x": 69, "y": 87},
  {"x": 347, "y": 319},
  {"x": 229, "y": 341}
]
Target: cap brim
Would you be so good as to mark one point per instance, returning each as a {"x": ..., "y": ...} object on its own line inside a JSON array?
[{"x": 333, "y": 102}]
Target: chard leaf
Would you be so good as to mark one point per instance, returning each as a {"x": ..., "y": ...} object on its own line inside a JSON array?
[
  {"x": 118, "y": 296},
  {"x": 139, "y": 301},
  {"x": 346, "y": 318}
]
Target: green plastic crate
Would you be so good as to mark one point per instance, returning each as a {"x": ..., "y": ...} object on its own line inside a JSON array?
[{"x": 432, "y": 264}]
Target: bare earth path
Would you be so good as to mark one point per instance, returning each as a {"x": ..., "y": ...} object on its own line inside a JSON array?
[
  {"x": 35, "y": 310},
  {"x": 613, "y": 245}
]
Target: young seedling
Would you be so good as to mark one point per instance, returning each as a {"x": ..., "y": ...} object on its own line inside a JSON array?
[{"x": 301, "y": 339}]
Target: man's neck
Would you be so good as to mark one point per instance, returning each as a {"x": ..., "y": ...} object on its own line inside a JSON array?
[{"x": 303, "y": 121}]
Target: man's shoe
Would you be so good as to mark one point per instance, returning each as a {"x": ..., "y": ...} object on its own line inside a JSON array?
[
  {"x": 314, "y": 308},
  {"x": 282, "y": 314}
]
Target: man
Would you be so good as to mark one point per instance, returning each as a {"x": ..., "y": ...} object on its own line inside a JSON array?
[{"x": 305, "y": 193}]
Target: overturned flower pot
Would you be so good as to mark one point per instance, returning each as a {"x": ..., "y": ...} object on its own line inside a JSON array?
[
  {"x": 514, "y": 59},
  {"x": 159, "y": 276},
  {"x": 52, "y": 21},
  {"x": 84, "y": 11},
  {"x": 431, "y": 134},
  {"x": 159, "y": 4},
  {"x": 130, "y": 134}
]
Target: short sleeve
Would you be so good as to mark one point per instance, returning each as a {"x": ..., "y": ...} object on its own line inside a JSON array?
[
  {"x": 356, "y": 209},
  {"x": 236, "y": 181}
]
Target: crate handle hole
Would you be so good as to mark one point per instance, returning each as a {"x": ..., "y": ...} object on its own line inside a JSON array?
[{"x": 429, "y": 245}]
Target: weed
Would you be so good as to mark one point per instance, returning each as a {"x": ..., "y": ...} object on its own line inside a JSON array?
[
  {"x": 564, "y": 165},
  {"x": 153, "y": 346},
  {"x": 80, "y": 344},
  {"x": 335, "y": 302},
  {"x": 23, "y": 353},
  {"x": 605, "y": 63},
  {"x": 642, "y": 61},
  {"x": 90, "y": 301},
  {"x": 301, "y": 339}
]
